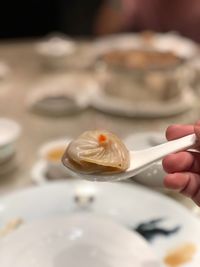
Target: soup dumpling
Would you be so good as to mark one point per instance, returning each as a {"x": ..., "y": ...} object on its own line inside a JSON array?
[{"x": 97, "y": 151}]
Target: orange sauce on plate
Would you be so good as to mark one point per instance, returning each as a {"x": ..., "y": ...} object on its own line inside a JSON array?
[{"x": 180, "y": 255}]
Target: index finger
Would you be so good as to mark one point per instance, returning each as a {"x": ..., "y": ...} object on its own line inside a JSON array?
[{"x": 176, "y": 131}]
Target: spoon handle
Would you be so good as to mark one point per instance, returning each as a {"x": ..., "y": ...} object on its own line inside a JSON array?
[{"x": 158, "y": 152}]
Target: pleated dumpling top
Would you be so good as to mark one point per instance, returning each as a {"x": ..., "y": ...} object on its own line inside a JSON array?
[{"x": 97, "y": 151}]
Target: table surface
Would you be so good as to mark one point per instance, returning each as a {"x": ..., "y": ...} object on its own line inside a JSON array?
[{"x": 36, "y": 129}]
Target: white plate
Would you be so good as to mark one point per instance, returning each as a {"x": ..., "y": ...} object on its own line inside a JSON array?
[
  {"x": 130, "y": 205},
  {"x": 117, "y": 106},
  {"x": 78, "y": 240}
]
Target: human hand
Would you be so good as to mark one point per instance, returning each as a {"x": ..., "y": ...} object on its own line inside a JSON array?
[{"x": 183, "y": 168}]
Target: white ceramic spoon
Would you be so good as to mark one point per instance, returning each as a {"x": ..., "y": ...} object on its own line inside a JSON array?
[{"x": 141, "y": 159}]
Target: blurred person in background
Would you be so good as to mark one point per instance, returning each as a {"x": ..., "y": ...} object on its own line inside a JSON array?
[
  {"x": 182, "y": 16},
  {"x": 38, "y": 18},
  {"x": 98, "y": 17}
]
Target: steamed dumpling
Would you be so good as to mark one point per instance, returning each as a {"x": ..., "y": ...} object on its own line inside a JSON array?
[{"x": 97, "y": 151}]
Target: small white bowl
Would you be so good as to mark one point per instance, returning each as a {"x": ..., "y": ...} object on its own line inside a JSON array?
[
  {"x": 9, "y": 133},
  {"x": 51, "y": 154},
  {"x": 54, "y": 51}
]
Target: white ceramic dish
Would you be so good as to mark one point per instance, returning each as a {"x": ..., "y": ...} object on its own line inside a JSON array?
[
  {"x": 56, "y": 47},
  {"x": 9, "y": 133},
  {"x": 131, "y": 205},
  {"x": 51, "y": 167},
  {"x": 148, "y": 84},
  {"x": 43, "y": 172},
  {"x": 51, "y": 146},
  {"x": 176, "y": 43},
  {"x": 78, "y": 240},
  {"x": 116, "y": 106},
  {"x": 55, "y": 50},
  {"x": 62, "y": 94},
  {"x": 39, "y": 173}
]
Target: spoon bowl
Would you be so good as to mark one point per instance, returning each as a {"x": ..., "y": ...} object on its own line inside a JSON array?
[{"x": 140, "y": 160}]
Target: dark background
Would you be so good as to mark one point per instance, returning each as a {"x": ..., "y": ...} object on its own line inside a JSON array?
[{"x": 39, "y": 17}]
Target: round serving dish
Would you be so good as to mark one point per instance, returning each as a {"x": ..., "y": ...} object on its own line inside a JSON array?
[
  {"x": 159, "y": 81},
  {"x": 147, "y": 82}
]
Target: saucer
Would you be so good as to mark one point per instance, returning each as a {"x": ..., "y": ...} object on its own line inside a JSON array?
[{"x": 118, "y": 106}]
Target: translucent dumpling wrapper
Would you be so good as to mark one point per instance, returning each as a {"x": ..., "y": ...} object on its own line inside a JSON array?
[{"x": 97, "y": 151}]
